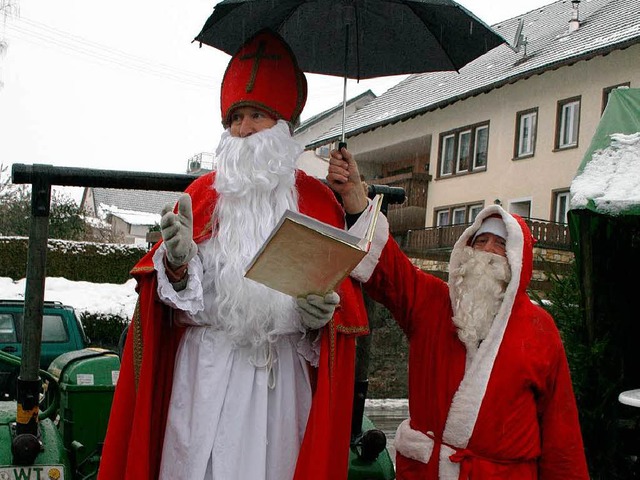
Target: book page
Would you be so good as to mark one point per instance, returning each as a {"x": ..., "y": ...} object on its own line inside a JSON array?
[
  {"x": 319, "y": 226},
  {"x": 304, "y": 255},
  {"x": 370, "y": 216},
  {"x": 298, "y": 260}
]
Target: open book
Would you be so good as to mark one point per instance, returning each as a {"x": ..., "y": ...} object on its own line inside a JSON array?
[{"x": 304, "y": 255}]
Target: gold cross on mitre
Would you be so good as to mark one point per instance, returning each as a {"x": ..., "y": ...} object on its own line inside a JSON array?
[{"x": 257, "y": 57}]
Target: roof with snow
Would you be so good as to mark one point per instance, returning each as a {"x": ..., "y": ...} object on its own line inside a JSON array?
[
  {"x": 330, "y": 111},
  {"x": 145, "y": 201},
  {"x": 605, "y": 25}
]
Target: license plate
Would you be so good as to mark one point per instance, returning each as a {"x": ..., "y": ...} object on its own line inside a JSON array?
[{"x": 35, "y": 472}]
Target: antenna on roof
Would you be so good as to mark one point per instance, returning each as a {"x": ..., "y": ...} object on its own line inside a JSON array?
[{"x": 519, "y": 40}]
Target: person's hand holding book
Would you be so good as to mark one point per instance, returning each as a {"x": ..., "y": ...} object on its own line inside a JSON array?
[{"x": 316, "y": 310}]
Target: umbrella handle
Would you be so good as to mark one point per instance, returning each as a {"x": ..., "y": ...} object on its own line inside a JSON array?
[{"x": 342, "y": 145}]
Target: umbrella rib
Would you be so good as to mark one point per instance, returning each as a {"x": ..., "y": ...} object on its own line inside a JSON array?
[
  {"x": 415, "y": 10},
  {"x": 286, "y": 18}
]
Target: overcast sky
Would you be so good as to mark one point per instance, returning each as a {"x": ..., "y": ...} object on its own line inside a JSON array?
[{"x": 119, "y": 85}]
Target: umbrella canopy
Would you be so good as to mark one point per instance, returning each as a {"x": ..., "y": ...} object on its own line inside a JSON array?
[{"x": 357, "y": 38}]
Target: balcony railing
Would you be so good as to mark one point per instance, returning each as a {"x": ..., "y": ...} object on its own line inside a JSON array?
[{"x": 548, "y": 235}]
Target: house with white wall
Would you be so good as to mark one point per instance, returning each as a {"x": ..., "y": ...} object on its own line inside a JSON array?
[
  {"x": 511, "y": 127},
  {"x": 315, "y": 162},
  {"x": 128, "y": 213}
]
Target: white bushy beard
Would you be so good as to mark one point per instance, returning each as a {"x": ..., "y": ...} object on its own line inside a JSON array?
[
  {"x": 478, "y": 288},
  {"x": 255, "y": 181}
]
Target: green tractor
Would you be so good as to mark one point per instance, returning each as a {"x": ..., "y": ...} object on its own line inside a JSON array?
[
  {"x": 73, "y": 407},
  {"x": 55, "y": 428}
]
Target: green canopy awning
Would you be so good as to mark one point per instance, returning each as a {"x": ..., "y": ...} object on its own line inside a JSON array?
[{"x": 621, "y": 116}]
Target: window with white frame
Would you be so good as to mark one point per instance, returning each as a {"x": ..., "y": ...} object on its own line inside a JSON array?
[
  {"x": 568, "y": 123},
  {"x": 442, "y": 218},
  {"x": 526, "y": 125},
  {"x": 446, "y": 157},
  {"x": 323, "y": 151},
  {"x": 457, "y": 214},
  {"x": 521, "y": 207},
  {"x": 474, "y": 210},
  {"x": 480, "y": 147},
  {"x": 561, "y": 206},
  {"x": 463, "y": 150}
]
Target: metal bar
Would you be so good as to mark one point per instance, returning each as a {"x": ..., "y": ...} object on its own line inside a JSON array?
[{"x": 86, "y": 177}]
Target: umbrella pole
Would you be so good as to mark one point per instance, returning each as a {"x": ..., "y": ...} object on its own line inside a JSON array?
[
  {"x": 344, "y": 113},
  {"x": 343, "y": 144}
]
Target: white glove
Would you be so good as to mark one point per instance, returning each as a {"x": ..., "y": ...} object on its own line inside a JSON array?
[
  {"x": 177, "y": 232},
  {"x": 316, "y": 310}
]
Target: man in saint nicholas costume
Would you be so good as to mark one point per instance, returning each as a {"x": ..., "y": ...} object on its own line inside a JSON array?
[
  {"x": 490, "y": 394},
  {"x": 223, "y": 378}
]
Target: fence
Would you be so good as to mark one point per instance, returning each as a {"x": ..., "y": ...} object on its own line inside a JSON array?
[{"x": 548, "y": 235}]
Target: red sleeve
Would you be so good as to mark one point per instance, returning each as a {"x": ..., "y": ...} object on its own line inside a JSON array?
[{"x": 397, "y": 284}]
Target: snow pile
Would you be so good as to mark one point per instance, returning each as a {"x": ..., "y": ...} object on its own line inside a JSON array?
[
  {"x": 105, "y": 298},
  {"x": 612, "y": 178}
]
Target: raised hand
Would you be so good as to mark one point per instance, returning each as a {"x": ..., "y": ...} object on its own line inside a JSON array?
[
  {"x": 344, "y": 179},
  {"x": 177, "y": 232}
]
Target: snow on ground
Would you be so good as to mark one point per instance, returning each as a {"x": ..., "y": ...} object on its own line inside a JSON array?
[
  {"x": 387, "y": 403},
  {"x": 83, "y": 296}
]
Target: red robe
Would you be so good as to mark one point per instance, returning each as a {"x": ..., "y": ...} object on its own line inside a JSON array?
[
  {"x": 510, "y": 413},
  {"x": 134, "y": 439}
]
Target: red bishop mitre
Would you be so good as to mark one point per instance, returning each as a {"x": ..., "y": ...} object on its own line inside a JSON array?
[{"x": 264, "y": 74}]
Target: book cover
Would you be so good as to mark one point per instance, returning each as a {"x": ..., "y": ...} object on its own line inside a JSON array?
[{"x": 303, "y": 255}]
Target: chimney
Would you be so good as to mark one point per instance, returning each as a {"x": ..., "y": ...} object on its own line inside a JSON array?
[{"x": 574, "y": 23}]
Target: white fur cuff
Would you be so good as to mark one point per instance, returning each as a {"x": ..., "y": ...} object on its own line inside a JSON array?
[
  {"x": 413, "y": 443},
  {"x": 367, "y": 265}
]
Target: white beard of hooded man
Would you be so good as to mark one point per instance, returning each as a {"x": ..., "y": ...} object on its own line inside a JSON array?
[
  {"x": 255, "y": 179},
  {"x": 479, "y": 288}
]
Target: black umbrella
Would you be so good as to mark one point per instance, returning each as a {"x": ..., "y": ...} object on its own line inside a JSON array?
[{"x": 357, "y": 38}]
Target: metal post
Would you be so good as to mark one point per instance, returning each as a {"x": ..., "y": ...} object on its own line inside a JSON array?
[{"x": 29, "y": 380}]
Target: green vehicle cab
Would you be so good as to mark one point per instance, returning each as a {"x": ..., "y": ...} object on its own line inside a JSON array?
[{"x": 62, "y": 332}]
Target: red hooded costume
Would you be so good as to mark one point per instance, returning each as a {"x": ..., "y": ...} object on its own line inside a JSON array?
[{"x": 505, "y": 411}]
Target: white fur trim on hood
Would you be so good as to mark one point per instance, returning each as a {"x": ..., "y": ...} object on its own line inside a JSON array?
[{"x": 467, "y": 400}]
